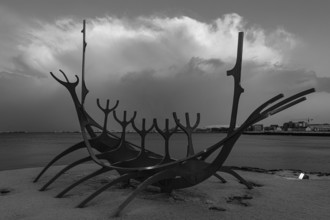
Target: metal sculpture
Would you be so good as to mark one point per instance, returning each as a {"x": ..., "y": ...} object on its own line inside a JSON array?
[
  {"x": 104, "y": 142},
  {"x": 136, "y": 162}
]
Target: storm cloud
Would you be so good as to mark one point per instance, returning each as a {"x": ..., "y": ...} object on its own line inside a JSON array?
[{"x": 155, "y": 65}]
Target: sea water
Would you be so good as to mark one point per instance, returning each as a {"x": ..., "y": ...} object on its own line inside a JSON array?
[{"x": 307, "y": 153}]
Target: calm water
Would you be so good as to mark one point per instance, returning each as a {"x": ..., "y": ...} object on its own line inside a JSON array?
[{"x": 269, "y": 152}]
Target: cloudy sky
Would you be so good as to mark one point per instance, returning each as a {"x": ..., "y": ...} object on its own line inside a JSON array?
[{"x": 157, "y": 57}]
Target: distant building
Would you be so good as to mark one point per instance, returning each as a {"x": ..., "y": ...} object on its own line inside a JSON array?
[
  {"x": 256, "y": 127},
  {"x": 319, "y": 127},
  {"x": 295, "y": 126},
  {"x": 221, "y": 129},
  {"x": 218, "y": 128},
  {"x": 273, "y": 127}
]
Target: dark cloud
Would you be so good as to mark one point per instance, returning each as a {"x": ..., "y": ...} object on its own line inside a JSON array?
[
  {"x": 191, "y": 88},
  {"x": 155, "y": 66},
  {"x": 323, "y": 84},
  {"x": 296, "y": 79}
]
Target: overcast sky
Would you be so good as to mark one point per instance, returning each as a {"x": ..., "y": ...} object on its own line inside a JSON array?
[{"x": 157, "y": 57}]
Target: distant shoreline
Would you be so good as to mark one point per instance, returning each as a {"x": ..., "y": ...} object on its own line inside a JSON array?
[
  {"x": 289, "y": 133},
  {"x": 283, "y": 133}
]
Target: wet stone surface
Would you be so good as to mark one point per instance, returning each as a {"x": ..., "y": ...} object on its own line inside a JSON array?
[
  {"x": 256, "y": 184},
  {"x": 217, "y": 208},
  {"x": 239, "y": 200},
  {"x": 5, "y": 191}
]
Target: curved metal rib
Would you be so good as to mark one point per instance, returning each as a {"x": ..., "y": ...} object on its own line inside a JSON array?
[
  {"x": 151, "y": 180},
  {"x": 106, "y": 186},
  {"x": 291, "y": 98},
  {"x": 59, "y": 156},
  {"x": 64, "y": 170},
  {"x": 236, "y": 175},
  {"x": 220, "y": 178},
  {"x": 97, "y": 172}
]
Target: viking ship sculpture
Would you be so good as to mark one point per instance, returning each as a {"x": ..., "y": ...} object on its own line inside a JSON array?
[{"x": 136, "y": 162}]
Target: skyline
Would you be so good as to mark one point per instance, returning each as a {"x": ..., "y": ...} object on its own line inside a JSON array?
[{"x": 157, "y": 58}]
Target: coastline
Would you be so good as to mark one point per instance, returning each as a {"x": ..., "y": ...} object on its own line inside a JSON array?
[
  {"x": 279, "y": 195},
  {"x": 289, "y": 133},
  {"x": 297, "y": 133}
]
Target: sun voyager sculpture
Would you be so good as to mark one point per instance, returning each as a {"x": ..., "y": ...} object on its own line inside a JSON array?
[{"x": 135, "y": 162}]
